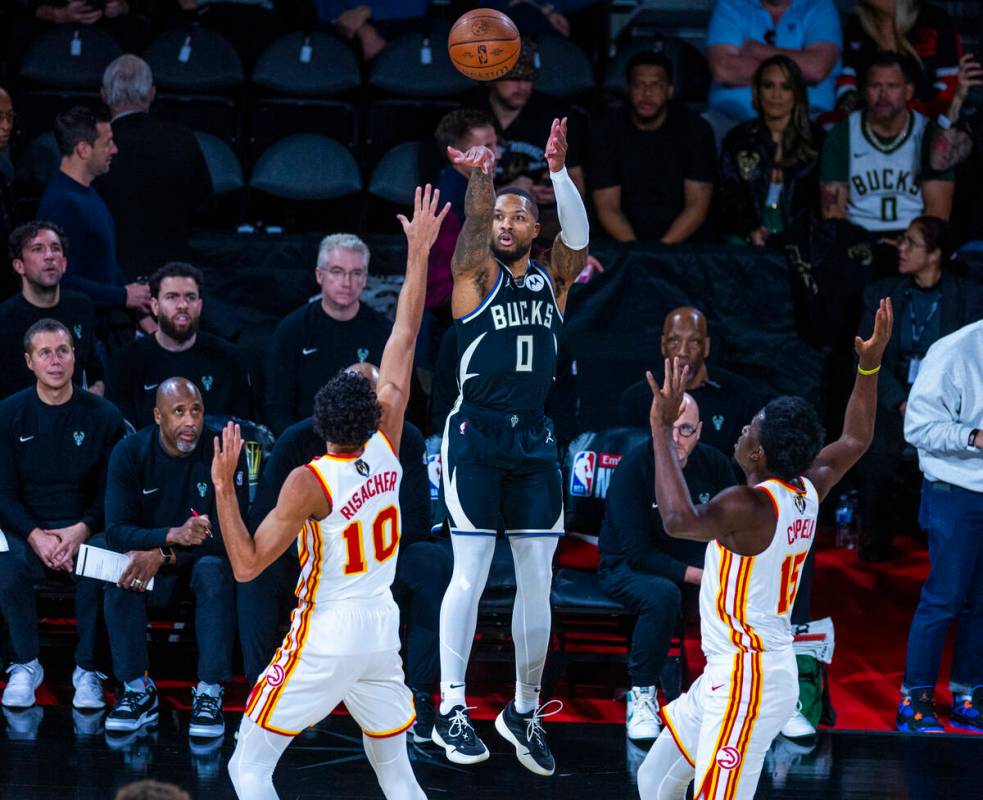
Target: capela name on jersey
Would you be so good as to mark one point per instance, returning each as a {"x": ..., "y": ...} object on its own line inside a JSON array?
[{"x": 519, "y": 313}]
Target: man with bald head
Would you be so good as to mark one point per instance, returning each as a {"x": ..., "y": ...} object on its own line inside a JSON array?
[
  {"x": 160, "y": 512},
  {"x": 726, "y": 400},
  {"x": 646, "y": 570}
]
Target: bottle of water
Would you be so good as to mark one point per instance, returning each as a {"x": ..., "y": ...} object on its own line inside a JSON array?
[{"x": 846, "y": 521}]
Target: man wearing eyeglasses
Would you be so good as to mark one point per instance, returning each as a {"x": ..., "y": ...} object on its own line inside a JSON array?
[
  {"x": 646, "y": 570},
  {"x": 325, "y": 335}
]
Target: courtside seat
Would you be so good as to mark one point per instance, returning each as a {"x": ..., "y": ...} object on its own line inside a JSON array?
[
  {"x": 69, "y": 57},
  {"x": 578, "y": 591}
]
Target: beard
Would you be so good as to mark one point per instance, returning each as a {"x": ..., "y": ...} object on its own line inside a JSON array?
[
  {"x": 509, "y": 255},
  {"x": 175, "y": 333},
  {"x": 185, "y": 446}
]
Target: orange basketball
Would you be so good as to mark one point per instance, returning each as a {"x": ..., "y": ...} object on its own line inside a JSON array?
[{"x": 484, "y": 44}]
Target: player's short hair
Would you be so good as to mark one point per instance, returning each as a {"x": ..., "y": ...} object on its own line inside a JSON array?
[
  {"x": 46, "y": 325},
  {"x": 76, "y": 125},
  {"x": 175, "y": 269},
  {"x": 649, "y": 58},
  {"x": 791, "y": 435},
  {"x": 533, "y": 205},
  {"x": 886, "y": 59},
  {"x": 22, "y": 234},
  {"x": 457, "y": 124},
  {"x": 346, "y": 410}
]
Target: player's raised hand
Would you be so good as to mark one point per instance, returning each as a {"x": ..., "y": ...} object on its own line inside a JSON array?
[
  {"x": 667, "y": 400},
  {"x": 871, "y": 351},
  {"x": 226, "y": 457},
  {"x": 556, "y": 145},
  {"x": 421, "y": 231},
  {"x": 479, "y": 157}
]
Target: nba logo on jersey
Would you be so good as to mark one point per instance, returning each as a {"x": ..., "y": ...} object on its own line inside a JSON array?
[
  {"x": 582, "y": 473},
  {"x": 433, "y": 473}
]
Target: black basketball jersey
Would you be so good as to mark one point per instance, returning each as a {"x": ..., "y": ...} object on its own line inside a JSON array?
[{"x": 507, "y": 346}]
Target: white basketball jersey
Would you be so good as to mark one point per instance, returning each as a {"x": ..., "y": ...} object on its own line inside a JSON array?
[
  {"x": 351, "y": 553},
  {"x": 885, "y": 183},
  {"x": 746, "y": 601}
]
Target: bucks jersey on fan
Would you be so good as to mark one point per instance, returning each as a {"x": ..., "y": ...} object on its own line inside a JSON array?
[{"x": 507, "y": 345}]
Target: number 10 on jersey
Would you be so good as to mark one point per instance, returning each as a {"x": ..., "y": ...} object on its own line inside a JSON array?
[{"x": 385, "y": 537}]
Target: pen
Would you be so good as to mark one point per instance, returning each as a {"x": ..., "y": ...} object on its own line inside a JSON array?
[{"x": 195, "y": 514}]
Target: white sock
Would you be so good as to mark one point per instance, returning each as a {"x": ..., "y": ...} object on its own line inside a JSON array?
[
  {"x": 526, "y": 697},
  {"x": 451, "y": 694}
]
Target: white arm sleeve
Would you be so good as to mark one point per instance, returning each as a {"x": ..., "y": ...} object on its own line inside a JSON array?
[{"x": 574, "y": 228}]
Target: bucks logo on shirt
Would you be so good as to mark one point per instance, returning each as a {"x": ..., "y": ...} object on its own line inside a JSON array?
[{"x": 885, "y": 178}]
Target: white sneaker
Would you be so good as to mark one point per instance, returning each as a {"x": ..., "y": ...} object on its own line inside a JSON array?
[
  {"x": 88, "y": 689},
  {"x": 23, "y": 681},
  {"x": 798, "y": 727},
  {"x": 643, "y": 709}
]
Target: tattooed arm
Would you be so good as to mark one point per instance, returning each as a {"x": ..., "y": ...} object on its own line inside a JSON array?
[
  {"x": 472, "y": 263},
  {"x": 832, "y": 200},
  {"x": 952, "y": 146}
]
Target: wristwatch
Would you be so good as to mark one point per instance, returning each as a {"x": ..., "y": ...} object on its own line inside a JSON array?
[
  {"x": 167, "y": 554},
  {"x": 971, "y": 441}
]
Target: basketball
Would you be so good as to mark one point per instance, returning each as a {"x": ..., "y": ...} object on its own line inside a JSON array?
[{"x": 484, "y": 44}]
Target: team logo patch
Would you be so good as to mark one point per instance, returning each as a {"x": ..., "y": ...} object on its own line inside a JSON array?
[
  {"x": 79, "y": 437},
  {"x": 207, "y": 381},
  {"x": 800, "y": 503},
  {"x": 202, "y": 489},
  {"x": 704, "y": 497},
  {"x": 363, "y": 353},
  {"x": 718, "y": 421},
  {"x": 514, "y": 420},
  {"x": 582, "y": 473},
  {"x": 535, "y": 283},
  {"x": 728, "y": 758},
  {"x": 362, "y": 468},
  {"x": 274, "y": 676},
  {"x": 239, "y": 478},
  {"x": 747, "y": 163},
  {"x": 78, "y": 331}
]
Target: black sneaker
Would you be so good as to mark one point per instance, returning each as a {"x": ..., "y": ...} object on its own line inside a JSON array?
[
  {"x": 525, "y": 733},
  {"x": 916, "y": 712},
  {"x": 453, "y": 731},
  {"x": 133, "y": 710},
  {"x": 422, "y": 730},
  {"x": 206, "y": 715},
  {"x": 968, "y": 714}
]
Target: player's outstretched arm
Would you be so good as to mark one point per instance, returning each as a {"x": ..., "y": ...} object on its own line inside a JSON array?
[
  {"x": 300, "y": 498},
  {"x": 838, "y": 457},
  {"x": 472, "y": 259},
  {"x": 396, "y": 369},
  {"x": 734, "y": 516},
  {"x": 569, "y": 254}
]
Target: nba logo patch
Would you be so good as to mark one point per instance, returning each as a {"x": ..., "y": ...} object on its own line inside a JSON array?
[
  {"x": 582, "y": 473},
  {"x": 433, "y": 472}
]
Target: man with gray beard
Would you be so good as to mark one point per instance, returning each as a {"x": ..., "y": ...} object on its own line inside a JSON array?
[{"x": 160, "y": 512}]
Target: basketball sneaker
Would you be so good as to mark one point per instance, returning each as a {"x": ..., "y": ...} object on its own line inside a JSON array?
[
  {"x": 422, "y": 730},
  {"x": 916, "y": 712},
  {"x": 967, "y": 710},
  {"x": 206, "y": 711},
  {"x": 798, "y": 727},
  {"x": 134, "y": 709},
  {"x": 88, "y": 689},
  {"x": 23, "y": 682},
  {"x": 526, "y": 734},
  {"x": 453, "y": 731},
  {"x": 642, "y": 720}
]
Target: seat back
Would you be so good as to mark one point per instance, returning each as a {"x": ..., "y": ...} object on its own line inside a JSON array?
[
  {"x": 223, "y": 164},
  {"x": 400, "y": 69},
  {"x": 306, "y": 166},
  {"x": 397, "y": 175},
  {"x": 564, "y": 69},
  {"x": 194, "y": 60},
  {"x": 39, "y": 162},
  {"x": 258, "y": 441},
  {"x": 70, "y": 57},
  {"x": 313, "y": 64}
]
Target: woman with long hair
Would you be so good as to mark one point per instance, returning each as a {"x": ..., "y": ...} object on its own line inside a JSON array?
[
  {"x": 768, "y": 172},
  {"x": 919, "y": 32}
]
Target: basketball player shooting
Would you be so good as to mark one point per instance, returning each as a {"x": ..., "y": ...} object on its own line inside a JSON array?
[
  {"x": 498, "y": 453},
  {"x": 760, "y": 534},
  {"x": 343, "y": 643}
]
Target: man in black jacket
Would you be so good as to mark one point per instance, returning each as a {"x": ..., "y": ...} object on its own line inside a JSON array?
[
  {"x": 158, "y": 162},
  {"x": 55, "y": 440},
  {"x": 645, "y": 569},
  {"x": 38, "y": 254},
  {"x": 159, "y": 511},
  {"x": 178, "y": 348}
]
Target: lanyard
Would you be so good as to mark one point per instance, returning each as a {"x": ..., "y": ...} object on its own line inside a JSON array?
[{"x": 916, "y": 330}]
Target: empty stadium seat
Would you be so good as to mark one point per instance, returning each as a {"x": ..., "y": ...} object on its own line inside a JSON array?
[
  {"x": 393, "y": 121},
  {"x": 399, "y": 69},
  {"x": 330, "y": 69},
  {"x": 274, "y": 118},
  {"x": 37, "y": 108},
  {"x": 70, "y": 57},
  {"x": 39, "y": 162},
  {"x": 306, "y": 167},
  {"x": 564, "y": 69},
  {"x": 194, "y": 60},
  {"x": 397, "y": 175},
  {"x": 223, "y": 165}
]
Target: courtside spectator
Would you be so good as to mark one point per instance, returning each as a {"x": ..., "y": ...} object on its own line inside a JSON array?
[
  {"x": 159, "y": 176},
  {"x": 942, "y": 421},
  {"x": 179, "y": 348},
  {"x": 919, "y": 32},
  {"x": 160, "y": 512},
  {"x": 325, "y": 335},
  {"x": 727, "y": 402},
  {"x": 85, "y": 140},
  {"x": 653, "y": 163},
  {"x": 932, "y": 301},
  {"x": 38, "y": 256},
  {"x": 645, "y": 569},
  {"x": 769, "y": 166},
  {"x": 55, "y": 441},
  {"x": 875, "y": 169},
  {"x": 743, "y": 33},
  {"x": 151, "y": 790}
]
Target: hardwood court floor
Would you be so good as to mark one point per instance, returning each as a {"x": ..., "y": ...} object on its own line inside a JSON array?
[{"x": 69, "y": 758}]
